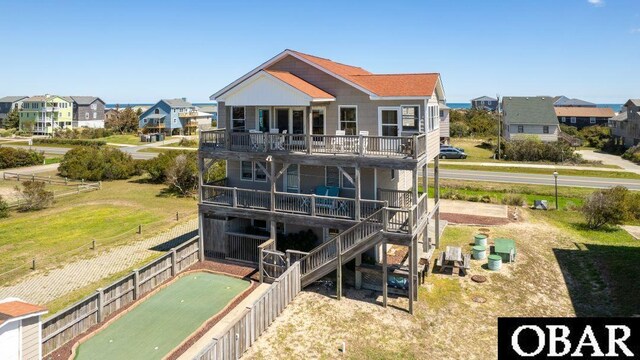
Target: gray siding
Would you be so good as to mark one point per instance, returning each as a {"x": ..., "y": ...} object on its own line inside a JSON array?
[
  {"x": 31, "y": 338},
  {"x": 511, "y": 132},
  {"x": 80, "y": 112}
]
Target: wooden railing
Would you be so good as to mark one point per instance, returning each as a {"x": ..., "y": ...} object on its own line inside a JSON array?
[
  {"x": 395, "y": 198},
  {"x": 292, "y": 203},
  {"x": 358, "y": 145}
]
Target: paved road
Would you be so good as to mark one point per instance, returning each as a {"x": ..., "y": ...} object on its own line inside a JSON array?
[
  {"x": 609, "y": 159},
  {"x": 535, "y": 179}
]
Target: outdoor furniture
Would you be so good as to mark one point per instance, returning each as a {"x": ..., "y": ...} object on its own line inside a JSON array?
[
  {"x": 257, "y": 140},
  {"x": 506, "y": 249},
  {"x": 495, "y": 262},
  {"x": 328, "y": 203},
  {"x": 278, "y": 143},
  {"x": 451, "y": 258}
]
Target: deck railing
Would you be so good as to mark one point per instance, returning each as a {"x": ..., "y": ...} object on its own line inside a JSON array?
[{"x": 358, "y": 145}]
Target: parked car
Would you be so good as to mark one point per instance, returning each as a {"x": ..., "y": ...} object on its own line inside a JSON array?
[
  {"x": 452, "y": 153},
  {"x": 450, "y": 147}
]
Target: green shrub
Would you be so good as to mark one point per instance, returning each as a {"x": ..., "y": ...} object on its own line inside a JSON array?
[
  {"x": 34, "y": 196},
  {"x": 514, "y": 200},
  {"x": 473, "y": 198},
  {"x": 608, "y": 206},
  {"x": 14, "y": 157},
  {"x": 76, "y": 142},
  {"x": 569, "y": 130},
  {"x": 4, "y": 208},
  {"x": 632, "y": 154},
  {"x": 182, "y": 175},
  {"x": 96, "y": 164},
  {"x": 596, "y": 136},
  {"x": 7, "y": 132},
  {"x": 184, "y": 142},
  {"x": 486, "y": 199},
  {"x": 82, "y": 133},
  {"x": 532, "y": 149},
  {"x": 157, "y": 167}
]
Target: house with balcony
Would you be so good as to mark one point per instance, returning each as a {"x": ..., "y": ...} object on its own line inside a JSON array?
[
  {"x": 173, "y": 117},
  {"x": 45, "y": 114},
  {"x": 445, "y": 132},
  {"x": 625, "y": 126},
  {"x": 329, "y": 149},
  {"x": 88, "y": 111},
  {"x": 484, "y": 103},
  {"x": 8, "y": 104},
  {"x": 533, "y": 116}
]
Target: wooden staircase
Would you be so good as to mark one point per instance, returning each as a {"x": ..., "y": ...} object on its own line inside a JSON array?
[{"x": 344, "y": 247}]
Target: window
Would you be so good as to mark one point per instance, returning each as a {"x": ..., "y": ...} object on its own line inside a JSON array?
[
  {"x": 86, "y": 116},
  {"x": 545, "y": 129},
  {"x": 95, "y": 115},
  {"x": 333, "y": 177},
  {"x": 156, "y": 111},
  {"x": 592, "y": 120},
  {"x": 564, "y": 119},
  {"x": 349, "y": 119},
  {"x": 410, "y": 117},
  {"x": 237, "y": 118},
  {"x": 573, "y": 119},
  {"x": 520, "y": 129},
  {"x": 250, "y": 171},
  {"x": 393, "y": 174},
  {"x": 246, "y": 171},
  {"x": 432, "y": 113},
  {"x": 93, "y": 106}
]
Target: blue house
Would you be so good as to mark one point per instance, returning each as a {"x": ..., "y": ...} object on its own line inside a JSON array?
[
  {"x": 173, "y": 117},
  {"x": 484, "y": 103}
]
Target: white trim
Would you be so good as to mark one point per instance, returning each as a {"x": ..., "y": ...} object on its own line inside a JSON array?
[
  {"x": 242, "y": 177},
  {"x": 375, "y": 98},
  {"x": 339, "y": 120},
  {"x": 285, "y": 182},
  {"x": 419, "y": 116},
  {"x": 398, "y": 111},
  {"x": 255, "y": 171}
]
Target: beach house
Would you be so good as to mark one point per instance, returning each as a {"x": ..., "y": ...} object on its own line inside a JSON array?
[
  {"x": 326, "y": 154},
  {"x": 563, "y": 101},
  {"x": 20, "y": 330},
  {"x": 174, "y": 117},
  {"x": 45, "y": 114},
  {"x": 529, "y": 117},
  {"x": 88, "y": 111},
  {"x": 581, "y": 117},
  {"x": 625, "y": 126},
  {"x": 8, "y": 104},
  {"x": 484, "y": 103}
]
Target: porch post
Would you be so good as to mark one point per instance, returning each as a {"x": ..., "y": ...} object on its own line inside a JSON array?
[
  {"x": 358, "y": 193},
  {"x": 436, "y": 189},
  {"x": 425, "y": 179},
  {"x": 358, "y": 272},
  {"x": 272, "y": 168},
  {"x": 411, "y": 274},
  {"x": 309, "y": 127},
  {"x": 384, "y": 273},
  {"x": 414, "y": 190},
  {"x": 273, "y": 232}
]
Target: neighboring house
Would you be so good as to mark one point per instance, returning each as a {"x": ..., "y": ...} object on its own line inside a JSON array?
[
  {"x": 88, "y": 111},
  {"x": 211, "y": 110},
  {"x": 110, "y": 115},
  {"x": 7, "y": 104},
  {"x": 444, "y": 124},
  {"x": 45, "y": 114},
  {"x": 174, "y": 117},
  {"x": 626, "y": 125},
  {"x": 529, "y": 116},
  {"x": 484, "y": 103},
  {"x": 20, "y": 330},
  {"x": 563, "y": 101},
  {"x": 581, "y": 117},
  {"x": 313, "y": 144}
]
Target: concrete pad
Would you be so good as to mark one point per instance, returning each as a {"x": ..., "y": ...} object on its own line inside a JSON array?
[
  {"x": 473, "y": 208},
  {"x": 219, "y": 328},
  {"x": 632, "y": 230}
]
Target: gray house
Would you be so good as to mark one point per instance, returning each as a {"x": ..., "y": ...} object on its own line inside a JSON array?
[
  {"x": 9, "y": 103},
  {"x": 484, "y": 103},
  {"x": 529, "y": 117},
  {"x": 329, "y": 149},
  {"x": 563, "y": 101},
  {"x": 88, "y": 111},
  {"x": 625, "y": 127}
]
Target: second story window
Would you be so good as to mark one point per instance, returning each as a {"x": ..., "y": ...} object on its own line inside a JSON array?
[
  {"x": 545, "y": 129},
  {"x": 520, "y": 129},
  {"x": 237, "y": 118},
  {"x": 349, "y": 120},
  {"x": 410, "y": 118}
]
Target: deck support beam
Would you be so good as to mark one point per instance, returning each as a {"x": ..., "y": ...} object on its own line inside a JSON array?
[
  {"x": 436, "y": 193},
  {"x": 384, "y": 274},
  {"x": 411, "y": 276},
  {"x": 358, "y": 283},
  {"x": 414, "y": 188},
  {"x": 339, "y": 270},
  {"x": 357, "y": 193}
]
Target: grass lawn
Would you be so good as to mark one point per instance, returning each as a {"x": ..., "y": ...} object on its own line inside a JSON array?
[
  {"x": 561, "y": 171},
  {"x": 160, "y": 323},
  {"x": 110, "y": 216},
  {"x": 127, "y": 139}
]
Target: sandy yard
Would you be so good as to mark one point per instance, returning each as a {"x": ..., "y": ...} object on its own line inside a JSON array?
[{"x": 455, "y": 317}]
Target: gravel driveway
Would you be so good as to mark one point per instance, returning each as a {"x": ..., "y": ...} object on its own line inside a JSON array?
[{"x": 609, "y": 159}]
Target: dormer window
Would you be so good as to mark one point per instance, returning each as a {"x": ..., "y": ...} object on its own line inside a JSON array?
[{"x": 156, "y": 111}]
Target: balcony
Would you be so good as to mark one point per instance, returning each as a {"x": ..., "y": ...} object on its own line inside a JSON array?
[
  {"x": 188, "y": 114},
  {"x": 154, "y": 125},
  {"x": 397, "y": 147}
]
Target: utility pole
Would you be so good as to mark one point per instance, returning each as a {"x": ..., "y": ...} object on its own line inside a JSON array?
[{"x": 499, "y": 124}]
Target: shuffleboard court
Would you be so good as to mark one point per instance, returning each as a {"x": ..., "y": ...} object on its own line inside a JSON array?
[{"x": 161, "y": 322}]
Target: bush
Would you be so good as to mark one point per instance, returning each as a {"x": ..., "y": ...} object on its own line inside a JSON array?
[
  {"x": 96, "y": 164},
  {"x": 82, "y": 133},
  {"x": 182, "y": 175},
  {"x": 77, "y": 142},
  {"x": 13, "y": 157},
  {"x": 514, "y": 200},
  {"x": 34, "y": 196},
  {"x": 157, "y": 167},
  {"x": 184, "y": 142},
  {"x": 609, "y": 206},
  {"x": 4, "y": 208},
  {"x": 532, "y": 149},
  {"x": 632, "y": 154},
  {"x": 569, "y": 130},
  {"x": 7, "y": 132},
  {"x": 596, "y": 136}
]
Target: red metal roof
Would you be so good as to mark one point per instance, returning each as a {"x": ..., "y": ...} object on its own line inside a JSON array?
[{"x": 14, "y": 309}]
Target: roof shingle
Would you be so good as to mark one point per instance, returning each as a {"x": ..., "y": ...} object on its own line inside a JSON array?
[
  {"x": 17, "y": 308},
  {"x": 300, "y": 84},
  {"x": 585, "y": 111},
  {"x": 537, "y": 110}
]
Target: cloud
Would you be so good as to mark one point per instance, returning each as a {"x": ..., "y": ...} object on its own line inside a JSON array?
[
  {"x": 635, "y": 31},
  {"x": 597, "y": 3}
]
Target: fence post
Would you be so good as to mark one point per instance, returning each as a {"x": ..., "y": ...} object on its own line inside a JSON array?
[
  {"x": 66, "y": 181},
  {"x": 261, "y": 265},
  {"x": 139, "y": 229},
  {"x": 100, "y": 292},
  {"x": 93, "y": 244},
  {"x": 174, "y": 263},
  {"x": 33, "y": 264},
  {"x": 177, "y": 216},
  {"x": 136, "y": 281}
]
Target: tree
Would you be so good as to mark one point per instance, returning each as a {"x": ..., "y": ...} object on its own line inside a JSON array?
[
  {"x": 125, "y": 122},
  {"x": 34, "y": 196},
  {"x": 596, "y": 136},
  {"x": 12, "y": 121},
  {"x": 28, "y": 126},
  {"x": 182, "y": 175},
  {"x": 4, "y": 208},
  {"x": 607, "y": 206}
]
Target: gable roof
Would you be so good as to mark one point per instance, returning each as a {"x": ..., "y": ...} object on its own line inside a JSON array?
[
  {"x": 300, "y": 84},
  {"x": 375, "y": 85},
  {"x": 85, "y": 100},
  {"x": 565, "y": 101},
  {"x": 634, "y": 102},
  {"x": 17, "y": 308},
  {"x": 621, "y": 116},
  {"x": 12, "y": 99},
  {"x": 584, "y": 111},
  {"x": 45, "y": 98},
  {"x": 537, "y": 110},
  {"x": 178, "y": 102},
  {"x": 484, "y": 98}
]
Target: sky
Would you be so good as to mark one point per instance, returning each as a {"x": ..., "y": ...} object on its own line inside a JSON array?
[{"x": 141, "y": 51}]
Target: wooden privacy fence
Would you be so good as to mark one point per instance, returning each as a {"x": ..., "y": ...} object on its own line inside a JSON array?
[
  {"x": 79, "y": 317},
  {"x": 255, "y": 319}
]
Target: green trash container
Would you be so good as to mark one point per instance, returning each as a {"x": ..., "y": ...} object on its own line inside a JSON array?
[
  {"x": 480, "y": 239},
  {"x": 479, "y": 252},
  {"x": 495, "y": 262}
]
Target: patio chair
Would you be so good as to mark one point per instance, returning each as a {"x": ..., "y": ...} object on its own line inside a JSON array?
[{"x": 325, "y": 203}]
